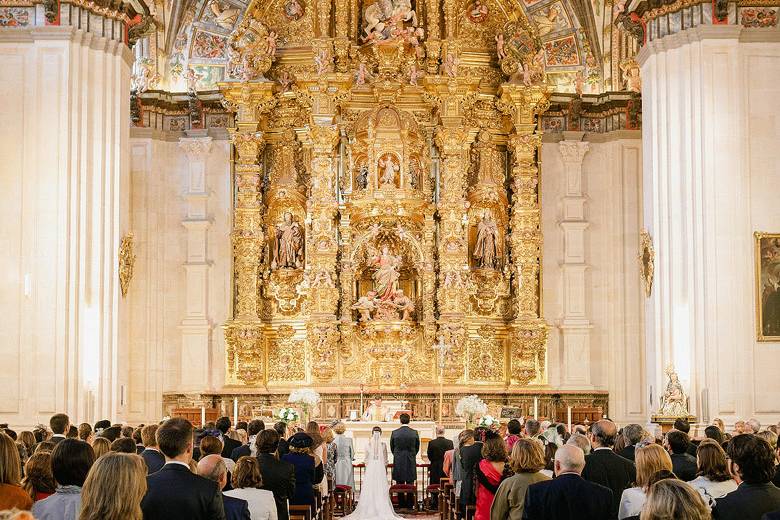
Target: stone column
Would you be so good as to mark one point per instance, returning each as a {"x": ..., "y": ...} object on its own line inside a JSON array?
[
  {"x": 196, "y": 325},
  {"x": 574, "y": 325}
]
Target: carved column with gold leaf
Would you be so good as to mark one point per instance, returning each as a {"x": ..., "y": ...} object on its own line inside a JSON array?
[
  {"x": 528, "y": 334},
  {"x": 321, "y": 140},
  {"x": 243, "y": 333}
]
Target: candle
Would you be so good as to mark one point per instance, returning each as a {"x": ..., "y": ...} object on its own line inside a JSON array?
[
  {"x": 235, "y": 411},
  {"x": 536, "y": 408},
  {"x": 202, "y": 415},
  {"x": 568, "y": 416}
]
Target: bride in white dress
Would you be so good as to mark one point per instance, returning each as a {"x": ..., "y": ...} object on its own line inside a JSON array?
[{"x": 374, "y": 500}]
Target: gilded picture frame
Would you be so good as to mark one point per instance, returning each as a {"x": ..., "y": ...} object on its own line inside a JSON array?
[{"x": 767, "y": 254}]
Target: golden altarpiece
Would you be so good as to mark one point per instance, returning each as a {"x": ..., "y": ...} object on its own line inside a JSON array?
[{"x": 386, "y": 197}]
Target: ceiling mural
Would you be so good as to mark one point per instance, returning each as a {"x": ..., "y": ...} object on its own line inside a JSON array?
[{"x": 571, "y": 35}]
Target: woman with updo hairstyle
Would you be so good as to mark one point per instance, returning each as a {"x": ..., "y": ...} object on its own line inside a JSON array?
[
  {"x": 247, "y": 482},
  {"x": 527, "y": 462},
  {"x": 672, "y": 498},
  {"x": 101, "y": 445},
  {"x": 490, "y": 472},
  {"x": 114, "y": 488},
  {"x": 38, "y": 479},
  {"x": 345, "y": 454}
]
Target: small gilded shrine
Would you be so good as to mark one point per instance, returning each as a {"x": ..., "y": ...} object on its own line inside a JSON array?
[{"x": 386, "y": 182}]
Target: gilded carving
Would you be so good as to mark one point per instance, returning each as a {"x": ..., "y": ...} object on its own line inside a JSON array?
[
  {"x": 391, "y": 197},
  {"x": 126, "y": 262},
  {"x": 647, "y": 260}
]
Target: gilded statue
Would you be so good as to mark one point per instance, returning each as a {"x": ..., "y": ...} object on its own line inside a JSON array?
[
  {"x": 384, "y": 19},
  {"x": 486, "y": 249},
  {"x": 389, "y": 169},
  {"x": 674, "y": 402},
  {"x": 289, "y": 244}
]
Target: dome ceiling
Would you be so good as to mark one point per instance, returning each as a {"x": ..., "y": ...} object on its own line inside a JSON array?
[{"x": 571, "y": 32}]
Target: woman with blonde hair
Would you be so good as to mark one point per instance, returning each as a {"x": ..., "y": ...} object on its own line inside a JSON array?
[
  {"x": 11, "y": 493},
  {"x": 345, "y": 454},
  {"x": 320, "y": 450},
  {"x": 247, "y": 482},
  {"x": 649, "y": 461},
  {"x": 101, "y": 445},
  {"x": 671, "y": 499},
  {"x": 114, "y": 488},
  {"x": 713, "y": 479},
  {"x": 38, "y": 479},
  {"x": 331, "y": 451},
  {"x": 527, "y": 461}
]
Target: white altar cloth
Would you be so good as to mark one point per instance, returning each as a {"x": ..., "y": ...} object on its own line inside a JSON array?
[{"x": 360, "y": 432}]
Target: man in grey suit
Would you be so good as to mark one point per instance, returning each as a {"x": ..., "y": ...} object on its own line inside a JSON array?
[{"x": 405, "y": 443}]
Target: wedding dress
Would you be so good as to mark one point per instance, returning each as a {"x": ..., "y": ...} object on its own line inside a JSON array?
[{"x": 374, "y": 500}]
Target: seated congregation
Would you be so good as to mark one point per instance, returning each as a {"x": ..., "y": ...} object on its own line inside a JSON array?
[{"x": 529, "y": 470}]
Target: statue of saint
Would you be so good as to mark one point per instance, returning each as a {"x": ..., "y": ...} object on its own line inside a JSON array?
[
  {"x": 674, "y": 402},
  {"x": 389, "y": 169},
  {"x": 486, "y": 250},
  {"x": 289, "y": 244},
  {"x": 386, "y": 276},
  {"x": 376, "y": 412}
]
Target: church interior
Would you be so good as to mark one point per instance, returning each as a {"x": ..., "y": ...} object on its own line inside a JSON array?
[{"x": 563, "y": 207}]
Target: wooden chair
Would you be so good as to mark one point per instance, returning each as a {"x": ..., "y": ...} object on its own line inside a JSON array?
[
  {"x": 343, "y": 500},
  {"x": 300, "y": 512},
  {"x": 398, "y": 490}
]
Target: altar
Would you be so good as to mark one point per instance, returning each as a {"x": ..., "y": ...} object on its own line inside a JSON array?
[{"x": 360, "y": 432}]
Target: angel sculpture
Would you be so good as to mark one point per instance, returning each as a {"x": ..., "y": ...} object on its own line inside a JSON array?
[
  {"x": 404, "y": 305},
  {"x": 365, "y": 305},
  {"x": 270, "y": 42},
  {"x": 414, "y": 74},
  {"x": 450, "y": 65},
  {"x": 500, "y": 51},
  {"x": 361, "y": 74},
  {"x": 322, "y": 62},
  {"x": 285, "y": 81},
  {"x": 224, "y": 17}
]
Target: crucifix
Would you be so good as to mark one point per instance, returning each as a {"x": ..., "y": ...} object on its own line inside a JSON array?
[{"x": 442, "y": 349}]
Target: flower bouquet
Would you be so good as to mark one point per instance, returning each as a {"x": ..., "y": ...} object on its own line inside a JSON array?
[
  {"x": 306, "y": 398},
  {"x": 288, "y": 415},
  {"x": 469, "y": 407},
  {"x": 488, "y": 421}
]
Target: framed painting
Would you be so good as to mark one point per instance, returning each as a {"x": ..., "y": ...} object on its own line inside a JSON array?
[{"x": 768, "y": 286}]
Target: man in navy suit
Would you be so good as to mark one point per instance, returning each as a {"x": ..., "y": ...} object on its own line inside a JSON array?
[
  {"x": 174, "y": 492},
  {"x": 605, "y": 467},
  {"x": 568, "y": 496},
  {"x": 249, "y": 449},
  {"x": 228, "y": 445},
  {"x": 151, "y": 454},
  {"x": 213, "y": 468}
]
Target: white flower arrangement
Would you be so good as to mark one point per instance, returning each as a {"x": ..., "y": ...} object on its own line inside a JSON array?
[
  {"x": 488, "y": 421},
  {"x": 288, "y": 415},
  {"x": 304, "y": 396},
  {"x": 470, "y": 406}
]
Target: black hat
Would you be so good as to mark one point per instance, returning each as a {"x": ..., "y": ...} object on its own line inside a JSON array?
[{"x": 301, "y": 440}]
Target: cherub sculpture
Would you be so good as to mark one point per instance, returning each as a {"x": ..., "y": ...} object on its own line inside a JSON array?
[
  {"x": 365, "y": 306},
  {"x": 404, "y": 305}
]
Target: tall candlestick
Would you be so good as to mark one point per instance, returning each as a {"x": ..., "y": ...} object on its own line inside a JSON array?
[
  {"x": 536, "y": 408},
  {"x": 235, "y": 411},
  {"x": 202, "y": 415},
  {"x": 568, "y": 416}
]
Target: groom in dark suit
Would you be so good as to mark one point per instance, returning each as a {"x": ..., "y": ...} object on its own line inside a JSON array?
[{"x": 405, "y": 443}]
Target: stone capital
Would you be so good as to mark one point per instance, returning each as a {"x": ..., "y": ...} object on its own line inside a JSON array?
[
  {"x": 573, "y": 151},
  {"x": 196, "y": 148}
]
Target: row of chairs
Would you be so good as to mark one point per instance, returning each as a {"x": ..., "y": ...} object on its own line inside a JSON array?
[
  {"x": 450, "y": 507},
  {"x": 324, "y": 507}
]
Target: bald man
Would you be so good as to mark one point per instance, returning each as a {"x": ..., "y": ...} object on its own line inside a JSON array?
[
  {"x": 568, "y": 496},
  {"x": 604, "y": 466},
  {"x": 213, "y": 468}
]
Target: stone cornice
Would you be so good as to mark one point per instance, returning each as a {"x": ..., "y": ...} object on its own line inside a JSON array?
[{"x": 701, "y": 33}]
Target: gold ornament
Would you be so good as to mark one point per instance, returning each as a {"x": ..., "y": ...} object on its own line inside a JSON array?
[{"x": 126, "y": 262}]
